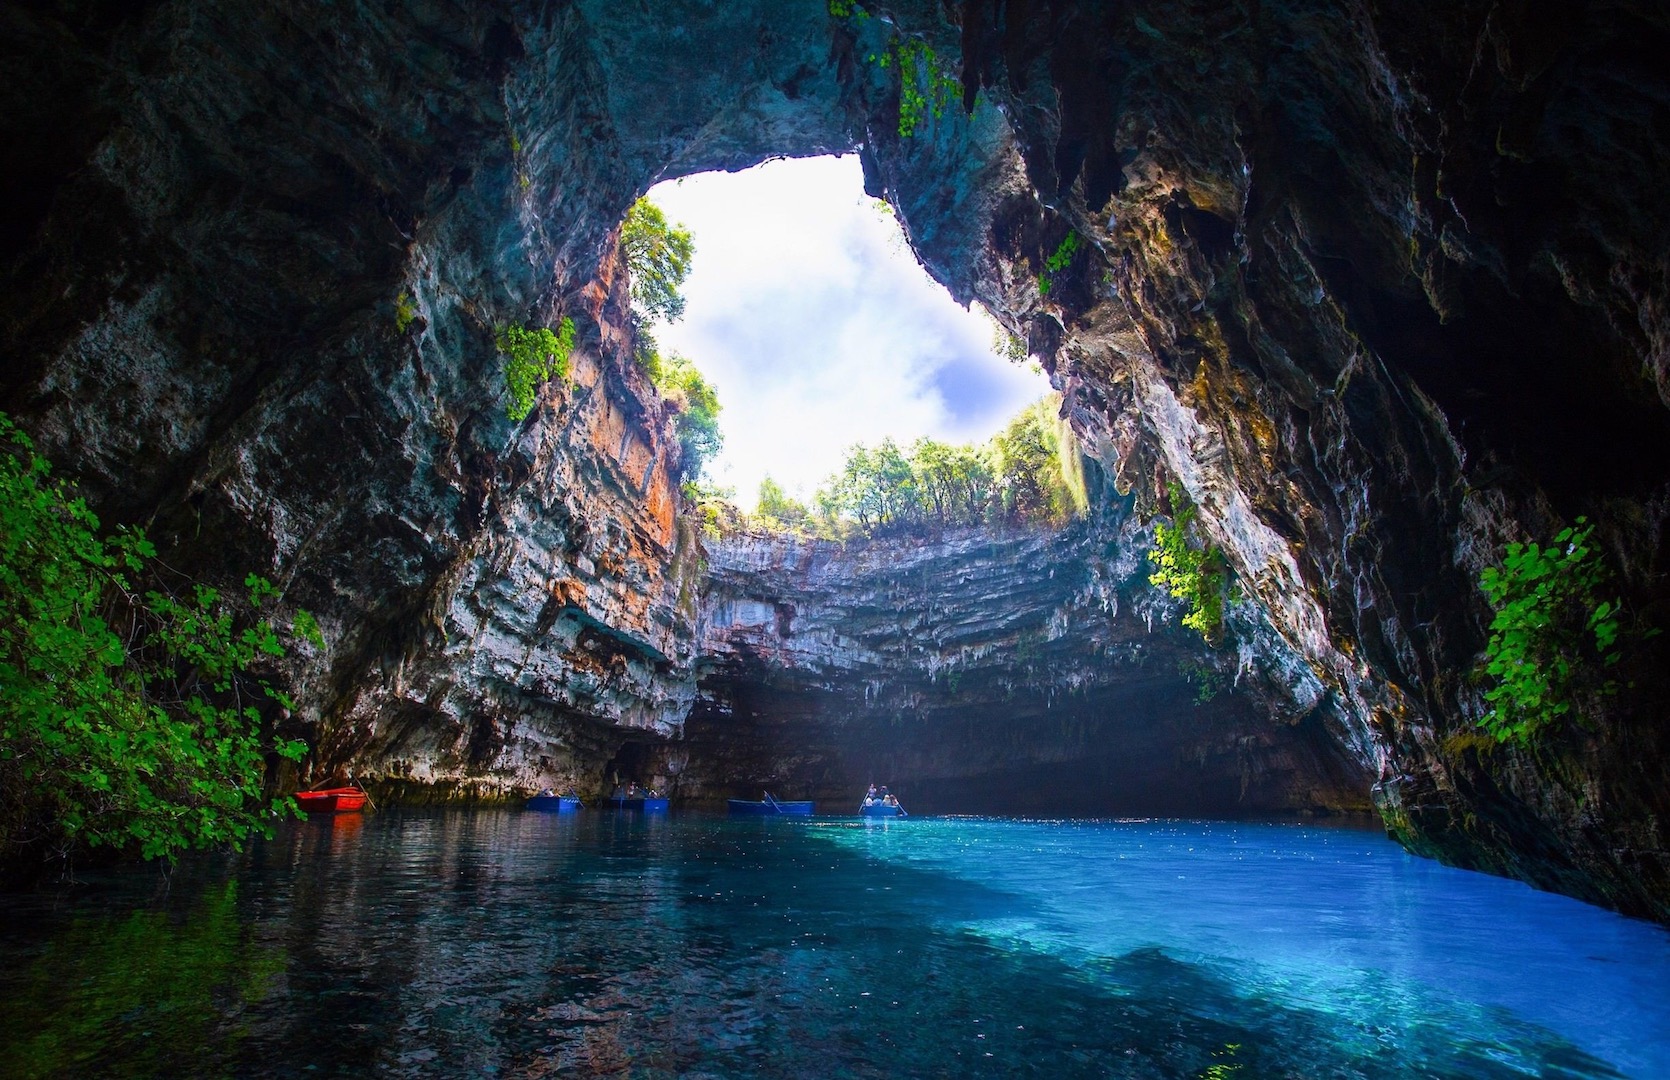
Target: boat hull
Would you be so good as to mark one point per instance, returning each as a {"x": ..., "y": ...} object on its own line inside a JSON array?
[
  {"x": 331, "y": 801},
  {"x": 749, "y": 808},
  {"x": 554, "y": 804},
  {"x": 878, "y": 810}
]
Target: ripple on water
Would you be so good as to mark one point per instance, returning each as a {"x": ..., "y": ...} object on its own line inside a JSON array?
[{"x": 503, "y": 943}]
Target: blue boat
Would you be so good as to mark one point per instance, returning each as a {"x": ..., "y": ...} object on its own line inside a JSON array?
[
  {"x": 879, "y": 809},
  {"x": 769, "y": 807},
  {"x": 560, "y": 804}
]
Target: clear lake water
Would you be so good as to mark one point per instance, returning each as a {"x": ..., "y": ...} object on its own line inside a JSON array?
[{"x": 517, "y": 944}]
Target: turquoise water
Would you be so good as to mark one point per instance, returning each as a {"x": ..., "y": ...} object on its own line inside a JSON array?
[{"x": 528, "y": 945}]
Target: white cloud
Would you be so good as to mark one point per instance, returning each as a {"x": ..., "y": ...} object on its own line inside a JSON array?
[{"x": 810, "y": 315}]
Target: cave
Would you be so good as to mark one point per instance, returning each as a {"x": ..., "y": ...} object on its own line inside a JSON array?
[{"x": 1382, "y": 289}]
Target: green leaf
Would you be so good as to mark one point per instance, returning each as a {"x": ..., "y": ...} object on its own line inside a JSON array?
[
  {"x": 1546, "y": 602},
  {"x": 118, "y": 718},
  {"x": 306, "y": 627}
]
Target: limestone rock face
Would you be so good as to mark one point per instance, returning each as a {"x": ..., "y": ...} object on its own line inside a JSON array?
[
  {"x": 1024, "y": 672},
  {"x": 251, "y": 302},
  {"x": 1384, "y": 290},
  {"x": 1383, "y": 287}
]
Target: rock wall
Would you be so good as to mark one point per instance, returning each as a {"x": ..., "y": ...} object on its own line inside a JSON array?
[
  {"x": 1021, "y": 672},
  {"x": 251, "y": 302},
  {"x": 1383, "y": 286}
]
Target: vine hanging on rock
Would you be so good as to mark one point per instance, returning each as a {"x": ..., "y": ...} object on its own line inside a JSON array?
[
  {"x": 530, "y": 358},
  {"x": 1198, "y": 574},
  {"x": 1555, "y": 631}
]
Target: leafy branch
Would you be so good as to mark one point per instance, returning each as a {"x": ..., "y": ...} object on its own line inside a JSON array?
[
  {"x": 530, "y": 358},
  {"x": 658, "y": 257},
  {"x": 132, "y": 712},
  {"x": 1554, "y": 630},
  {"x": 695, "y": 403},
  {"x": 1059, "y": 260},
  {"x": 405, "y": 311},
  {"x": 1198, "y": 574}
]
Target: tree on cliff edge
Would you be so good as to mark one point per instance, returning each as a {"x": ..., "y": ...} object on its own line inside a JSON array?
[{"x": 658, "y": 255}]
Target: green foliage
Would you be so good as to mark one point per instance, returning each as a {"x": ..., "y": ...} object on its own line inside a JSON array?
[
  {"x": 405, "y": 310},
  {"x": 1197, "y": 574},
  {"x": 954, "y": 484},
  {"x": 1040, "y": 474},
  {"x": 715, "y": 507},
  {"x": 779, "y": 508},
  {"x": 696, "y": 405},
  {"x": 306, "y": 627},
  {"x": 1059, "y": 260},
  {"x": 925, "y": 87},
  {"x": 1207, "y": 680},
  {"x": 1007, "y": 345},
  {"x": 1026, "y": 474},
  {"x": 1553, "y": 631},
  {"x": 877, "y": 487},
  {"x": 130, "y": 717},
  {"x": 530, "y": 358},
  {"x": 658, "y": 256}
]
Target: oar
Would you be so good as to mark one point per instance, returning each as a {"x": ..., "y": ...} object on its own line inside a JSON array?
[
  {"x": 372, "y": 802},
  {"x": 774, "y": 807}
]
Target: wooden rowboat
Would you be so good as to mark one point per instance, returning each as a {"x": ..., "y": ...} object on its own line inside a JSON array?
[
  {"x": 769, "y": 807},
  {"x": 336, "y": 800}
]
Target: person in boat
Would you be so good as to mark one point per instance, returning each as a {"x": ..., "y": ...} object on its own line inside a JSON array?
[
  {"x": 890, "y": 800},
  {"x": 632, "y": 789}
]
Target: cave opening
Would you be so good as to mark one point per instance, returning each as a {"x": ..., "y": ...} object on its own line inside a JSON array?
[
  {"x": 961, "y": 659},
  {"x": 807, "y": 309},
  {"x": 1004, "y": 660}
]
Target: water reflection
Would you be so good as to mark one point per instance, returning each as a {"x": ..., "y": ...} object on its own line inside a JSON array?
[
  {"x": 158, "y": 991},
  {"x": 451, "y": 943},
  {"x": 342, "y": 828}
]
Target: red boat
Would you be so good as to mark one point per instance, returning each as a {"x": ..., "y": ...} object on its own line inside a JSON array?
[{"x": 336, "y": 800}]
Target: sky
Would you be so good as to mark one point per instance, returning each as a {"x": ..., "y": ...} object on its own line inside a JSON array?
[{"x": 808, "y": 312}]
